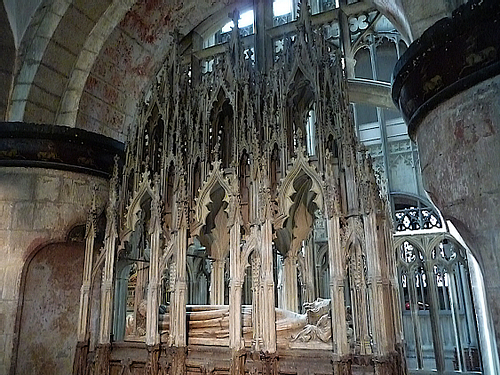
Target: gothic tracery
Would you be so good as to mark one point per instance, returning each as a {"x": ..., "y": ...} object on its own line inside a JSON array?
[{"x": 249, "y": 215}]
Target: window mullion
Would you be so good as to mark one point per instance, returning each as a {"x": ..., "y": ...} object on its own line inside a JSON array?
[
  {"x": 415, "y": 317},
  {"x": 456, "y": 320},
  {"x": 437, "y": 336}
]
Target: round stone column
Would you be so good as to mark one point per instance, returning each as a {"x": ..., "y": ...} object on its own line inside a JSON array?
[
  {"x": 46, "y": 178},
  {"x": 447, "y": 86}
]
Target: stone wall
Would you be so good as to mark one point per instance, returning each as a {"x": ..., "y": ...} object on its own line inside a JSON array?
[
  {"x": 459, "y": 145},
  {"x": 37, "y": 207},
  {"x": 49, "y": 318}
]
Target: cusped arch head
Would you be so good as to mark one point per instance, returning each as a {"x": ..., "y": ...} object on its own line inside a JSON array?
[
  {"x": 203, "y": 200},
  {"x": 251, "y": 244},
  {"x": 420, "y": 252},
  {"x": 300, "y": 89},
  {"x": 221, "y": 93},
  {"x": 143, "y": 193},
  {"x": 168, "y": 255},
  {"x": 457, "y": 249},
  {"x": 323, "y": 252},
  {"x": 300, "y": 167},
  {"x": 438, "y": 239}
]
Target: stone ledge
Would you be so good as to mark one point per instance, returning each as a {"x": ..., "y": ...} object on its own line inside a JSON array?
[
  {"x": 57, "y": 147},
  {"x": 451, "y": 56}
]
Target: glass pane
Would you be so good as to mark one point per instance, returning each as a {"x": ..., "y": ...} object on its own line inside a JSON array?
[
  {"x": 386, "y": 59},
  {"x": 363, "y": 67}
]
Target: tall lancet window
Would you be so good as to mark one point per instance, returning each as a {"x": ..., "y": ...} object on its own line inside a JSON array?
[
  {"x": 439, "y": 320},
  {"x": 311, "y": 132}
]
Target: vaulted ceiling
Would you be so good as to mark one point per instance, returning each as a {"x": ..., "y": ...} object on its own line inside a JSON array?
[{"x": 87, "y": 63}]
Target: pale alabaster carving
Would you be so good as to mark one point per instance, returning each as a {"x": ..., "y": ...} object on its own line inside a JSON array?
[
  {"x": 207, "y": 323},
  {"x": 319, "y": 322}
]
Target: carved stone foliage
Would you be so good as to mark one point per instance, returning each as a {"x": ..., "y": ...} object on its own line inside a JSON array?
[{"x": 247, "y": 185}]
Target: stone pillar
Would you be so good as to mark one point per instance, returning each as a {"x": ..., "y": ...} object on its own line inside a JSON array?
[
  {"x": 152, "y": 334},
  {"x": 267, "y": 309},
  {"x": 336, "y": 260},
  {"x": 90, "y": 234},
  {"x": 236, "y": 342},
  {"x": 152, "y": 364},
  {"x": 290, "y": 289},
  {"x": 447, "y": 86},
  {"x": 109, "y": 263},
  {"x": 103, "y": 351},
  {"x": 217, "y": 282},
  {"x": 82, "y": 347},
  {"x": 309, "y": 272},
  {"x": 263, "y": 20},
  {"x": 235, "y": 285},
  {"x": 178, "y": 318},
  {"x": 178, "y": 355},
  {"x": 380, "y": 274},
  {"x": 256, "y": 301},
  {"x": 269, "y": 363}
]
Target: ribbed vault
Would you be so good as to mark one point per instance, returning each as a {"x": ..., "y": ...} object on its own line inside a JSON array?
[{"x": 87, "y": 64}]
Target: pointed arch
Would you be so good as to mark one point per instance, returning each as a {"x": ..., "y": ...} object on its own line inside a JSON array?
[
  {"x": 275, "y": 169},
  {"x": 286, "y": 190},
  {"x": 251, "y": 244},
  {"x": 221, "y": 127},
  {"x": 168, "y": 254},
  {"x": 244, "y": 187},
  {"x": 145, "y": 189},
  {"x": 300, "y": 97},
  {"x": 226, "y": 93},
  {"x": 398, "y": 242},
  {"x": 204, "y": 199},
  {"x": 299, "y": 69}
]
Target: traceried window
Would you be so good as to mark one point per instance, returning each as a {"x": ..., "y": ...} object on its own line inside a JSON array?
[
  {"x": 245, "y": 26},
  {"x": 439, "y": 320},
  {"x": 311, "y": 132},
  {"x": 284, "y": 11},
  {"x": 411, "y": 214}
]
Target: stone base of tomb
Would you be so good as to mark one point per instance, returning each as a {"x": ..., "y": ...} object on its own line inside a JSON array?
[
  {"x": 136, "y": 358},
  {"x": 101, "y": 363},
  {"x": 81, "y": 356}
]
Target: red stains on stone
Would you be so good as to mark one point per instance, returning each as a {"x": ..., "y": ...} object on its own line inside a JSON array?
[
  {"x": 465, "y": 133},
  {"x": 152, "y": 5},
  {"x": 34, "y": 247},
  {"x": 134, "y": 21},
  {"x": 91, "y": 83},
  {"x": 166, "y": 19},
  {"x": 459, "y": 130},
  {"x": 144, "y": 68},
  {"x": 489, "y": 128},
  {"x": 470, "y": 132},
  {"x": 51, "y": 292},
  {"x": 129, "y": 59},
  {"x": 84, "y": 102},
  {"x": 149, "y": 21},
  {"x": 110, "y": 94},
  {"x": 118, "y": 50},
  {"x": 146, "y": 28},
  {"x": 96, "y": 114}
]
